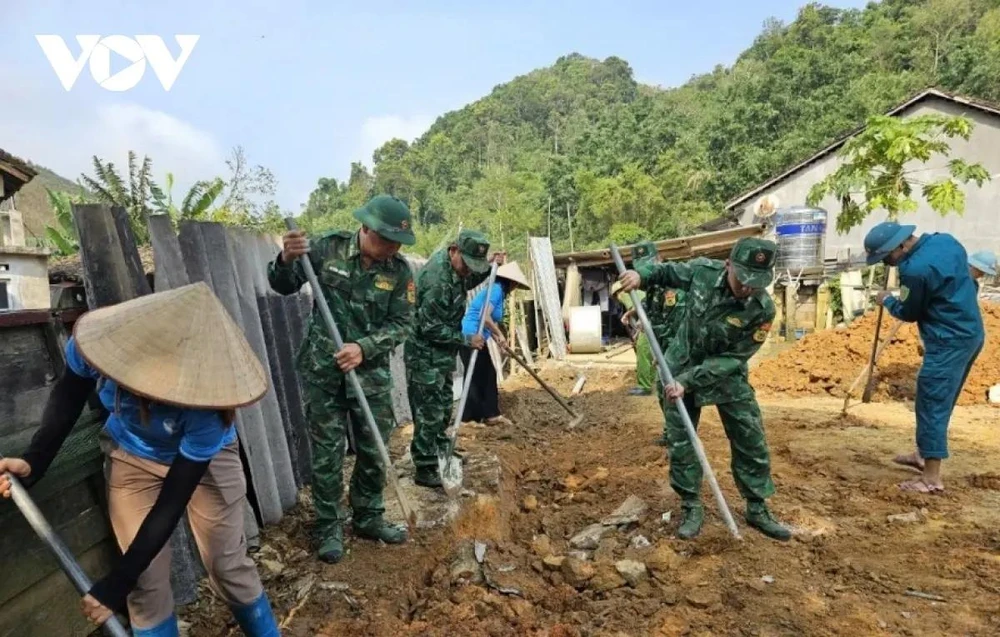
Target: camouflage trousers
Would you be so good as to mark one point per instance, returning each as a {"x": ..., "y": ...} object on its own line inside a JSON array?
[
  {"x": 431, "y": 405},
  {"x": 329, "y": 415},
  {"x": 751, "y": 461},
  {"x": 645, "y": 366}
]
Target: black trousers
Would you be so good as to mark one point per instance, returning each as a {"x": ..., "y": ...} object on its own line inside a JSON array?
[{"x": 484, "y": 398}]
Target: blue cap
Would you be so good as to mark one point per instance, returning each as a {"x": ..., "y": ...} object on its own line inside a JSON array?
[
  {"x": 884, "y": 238},
  {"x": 984, "y": 261}
]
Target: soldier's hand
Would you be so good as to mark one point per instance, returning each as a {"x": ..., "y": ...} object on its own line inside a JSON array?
[
  {"x": 674, "y": 391},
  {"x": 630, "y": 281},
  {"x": 499, "y": 258},
  {"x": 476, "y": 341},
  {"x": 882, "y": 296},
  {"x": 14, "y": 466},
  {"x": 293, "y": 245},
  {"x": 349, "y": 357}
]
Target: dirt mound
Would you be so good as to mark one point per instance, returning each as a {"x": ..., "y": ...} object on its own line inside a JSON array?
[{"x": 828, "y": 362}]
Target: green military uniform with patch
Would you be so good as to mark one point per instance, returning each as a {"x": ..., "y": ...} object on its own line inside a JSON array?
[
  {"x": 672, "y": 302},
  {"x": 645, "y": 366},
  {"x": 434, "y": 342},
  {"x": 716, "y": 336},
  {"x": 373, "y": 308}
]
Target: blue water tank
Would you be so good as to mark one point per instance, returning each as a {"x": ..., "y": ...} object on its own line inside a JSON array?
[{"x": 800, "y": 231}]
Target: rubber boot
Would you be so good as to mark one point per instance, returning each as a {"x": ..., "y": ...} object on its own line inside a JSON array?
[
  {"x": 376, "y": 528},
  {"x": 428, "y": 477},
  {"x": 759, "y": 517},
  {"x": 331, "y": 544},
  {"x": 693, "y": 517},
  {"x": 257, "y": 619},
  {"x": 166, "y": 628}
]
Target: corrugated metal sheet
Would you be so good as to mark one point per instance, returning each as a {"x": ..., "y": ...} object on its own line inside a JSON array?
[{"x": 548, "y": 293}]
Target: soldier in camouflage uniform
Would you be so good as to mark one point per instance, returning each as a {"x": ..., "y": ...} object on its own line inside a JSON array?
[
  {"x": 645, "y": 367},
  {"x": 371, "y": 293},
  {"x": 727, "y": 318},
  {"x": 434, "y": 342}
]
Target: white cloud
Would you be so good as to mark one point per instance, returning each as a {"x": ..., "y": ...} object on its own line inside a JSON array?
[
  {"x": 376, "y": 131},
  {"x": 63, "y": 132}
]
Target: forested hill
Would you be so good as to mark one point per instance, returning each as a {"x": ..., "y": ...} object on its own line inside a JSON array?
[{"x": 582, "y": 140}]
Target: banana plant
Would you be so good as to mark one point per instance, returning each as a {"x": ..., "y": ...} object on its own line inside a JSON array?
[
  {"x": 197, "y": 203},
  {"x": 62, "y": 236}
]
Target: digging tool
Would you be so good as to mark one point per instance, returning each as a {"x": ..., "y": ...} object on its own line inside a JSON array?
[
  {"x": 576, "y": 418},
  {"x": 621, "y": 350},
  {"x": 47, "y": 534},
  {"x": 409, "y": 512},
  {"x": 866, "y": 397},
  {"x": 668, "y": 379},
  {"x": 449, "y": 466},
  {"x": 869, "y": 368}
]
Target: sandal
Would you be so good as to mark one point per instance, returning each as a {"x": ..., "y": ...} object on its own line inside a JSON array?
[
  {"x": 919, "y": 485},
  {"x": 498, "y": 420}
]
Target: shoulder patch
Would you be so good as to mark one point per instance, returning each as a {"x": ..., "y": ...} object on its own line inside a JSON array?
[
  {"x": 670, "y": 298},
  {"x": 904, "y": 293},
  {"x": 411, "y": 292},
  {"x": 735, "y": 321},
  {"x": 383, "y": 282},
  {"x": 760, "y": 335}
]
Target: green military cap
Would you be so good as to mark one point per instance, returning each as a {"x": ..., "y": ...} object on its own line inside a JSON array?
[
  {"x": 753, "y": 260},
  {"x": 389, "y": 217},
  {"x": 474, "y": 246},
  {"x": 643, "y": 250}
]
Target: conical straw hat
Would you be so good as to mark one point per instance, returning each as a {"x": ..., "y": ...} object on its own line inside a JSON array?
[
  {"x": 512, "y": 272},
  {"x": 178, "y": 347}
]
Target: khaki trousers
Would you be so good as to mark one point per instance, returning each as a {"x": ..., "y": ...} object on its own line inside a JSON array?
[{"x": 215, "y": 514}]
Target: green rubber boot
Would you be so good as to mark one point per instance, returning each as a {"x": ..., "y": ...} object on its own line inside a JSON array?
[
  {"x": 378, "y": 529},
  {"x": 694, "y": 517},
  {"x": 331, "y": 545},
  {"x": 759, "y": 517},
  {"x": 428, "y": 477}
]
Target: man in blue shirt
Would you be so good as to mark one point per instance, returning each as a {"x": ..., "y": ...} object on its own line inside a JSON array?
[{"x": 937, "y": 293}]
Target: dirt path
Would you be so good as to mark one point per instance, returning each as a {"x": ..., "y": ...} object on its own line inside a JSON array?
[{"x": 846, "y": 573}]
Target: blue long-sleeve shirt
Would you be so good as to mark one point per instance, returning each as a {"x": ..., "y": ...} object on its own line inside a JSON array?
[
  {"x": 470, "y": 323},
  {"x": 937, "y": 292}
]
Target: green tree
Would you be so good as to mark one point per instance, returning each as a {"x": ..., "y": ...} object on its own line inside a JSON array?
[
  {"x": 883, "y": 163},
  {"x": 62, "y": 237},
  {"x": 134, "y": 195}
]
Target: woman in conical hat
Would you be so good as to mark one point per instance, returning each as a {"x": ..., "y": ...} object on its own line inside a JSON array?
[
  {"x": 483, "y": 404},
  {"x": 170, "y": 368}
]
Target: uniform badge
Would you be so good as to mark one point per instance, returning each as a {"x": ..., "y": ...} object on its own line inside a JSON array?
[
  {"x": 734, "y": 321},
  {"x": 760, "y": 258},
  {"x": 383, "y": 283},
  {"x": 482, "y": 251},
  {"x": 904, "y": 292},
  {"x": 670, "y": 298},
  {"x": 404, "y": 224},
  {"x": 760, "y": 336},
  {"x": 411, "y": 292}
]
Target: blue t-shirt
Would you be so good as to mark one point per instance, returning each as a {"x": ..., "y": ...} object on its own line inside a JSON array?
[
  {"x": 470, "y": 324},
  {"x": 196, "y": 434}
]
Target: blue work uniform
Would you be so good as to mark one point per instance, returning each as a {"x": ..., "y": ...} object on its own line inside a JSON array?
[
  {"x": 470, "y": 322},
  {"x": 938, "y": 294}
]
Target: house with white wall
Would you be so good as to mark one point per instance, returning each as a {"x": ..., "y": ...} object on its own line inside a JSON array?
[{"x": 24, "y": 277}]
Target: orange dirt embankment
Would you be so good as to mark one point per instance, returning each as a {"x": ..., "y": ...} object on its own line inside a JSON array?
[{"x": 828, "y": 362}]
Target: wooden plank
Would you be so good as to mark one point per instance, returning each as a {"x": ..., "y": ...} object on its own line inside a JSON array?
[
  {"x": 547, "y": 294},
  {"x": 53, "y": 602}
]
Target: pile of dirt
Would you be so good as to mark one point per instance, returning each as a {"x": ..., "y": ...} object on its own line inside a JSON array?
[{"x": 828, "y": 362}]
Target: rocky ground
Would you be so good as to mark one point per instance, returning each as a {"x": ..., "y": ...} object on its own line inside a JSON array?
[{"x": 578, "y": 538}]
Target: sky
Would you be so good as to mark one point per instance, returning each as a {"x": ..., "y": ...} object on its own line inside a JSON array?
[{"x": 308, "y": 86}]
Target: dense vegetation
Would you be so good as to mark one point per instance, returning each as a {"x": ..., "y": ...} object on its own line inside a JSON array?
[{"x": 582, "y": 152}]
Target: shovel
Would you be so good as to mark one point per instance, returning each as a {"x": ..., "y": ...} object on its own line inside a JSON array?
[
  {"x": 866, "y": 396},
  {"x": 576, "y": 418},
  {"x": 409, "y": 512},
  {"x": 69, "y": 565},
  {"x": 668, "y": 379},
  {"x": 450, "y": 467}
]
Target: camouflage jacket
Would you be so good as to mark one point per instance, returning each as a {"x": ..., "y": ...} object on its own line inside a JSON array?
[
  {"x": 716, "y": 333},
  {"x": 371, "y": 308},
  {"x": 436, "y": 331}
]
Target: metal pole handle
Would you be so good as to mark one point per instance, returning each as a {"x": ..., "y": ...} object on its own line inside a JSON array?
[
  {"x": 668, "y": 379},
  {"x": 67, "y": 562},
  {"x": 453, "y": 433},
  {"x": 331, "y": 325}
]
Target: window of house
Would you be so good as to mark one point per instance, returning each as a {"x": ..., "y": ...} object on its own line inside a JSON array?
[{"x": 4, "y": 301}]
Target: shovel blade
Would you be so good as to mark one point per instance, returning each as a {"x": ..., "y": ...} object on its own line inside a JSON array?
[{"x": 450, "y": 470}]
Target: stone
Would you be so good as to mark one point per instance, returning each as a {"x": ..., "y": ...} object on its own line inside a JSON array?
[
  {"x": 530, "y": 503},
  {"x": 633, "y": 571},
  {"x": 273, "y": 566},
  {"x": 576, "y": 572},
  {"x": 465, "y": 567},
  {"x": 904, "y": 518},
  {"x": 662, "y": 558},
  {"x": 606, "y": 579},
  {"x": 541, "y": 545},
  {"x": 573, "y": 482},
  {"x": 583, "y": 556},
  {"x": 606, "y": 550},
  {"x": 702, "y": 598},
  {"x": 628, "y": 513},
  {"x": 554, "y": 562},
  {"x": 590, "y": 537},
  {"x": 767, "y": 579},
  {"x": 906, "y": 614},
  {"x": 673, "y": 626},
  {"x": 665, "y": 518},
  {"x": 339, "y": 587},
  {"x": 639, "y": 542}
]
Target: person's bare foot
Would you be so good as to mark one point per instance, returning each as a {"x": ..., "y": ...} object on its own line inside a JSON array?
[
  {"x": 498, "y": 420},
  {"x": 922, "y": 485},
  {"x": 912, "y": 460}
]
